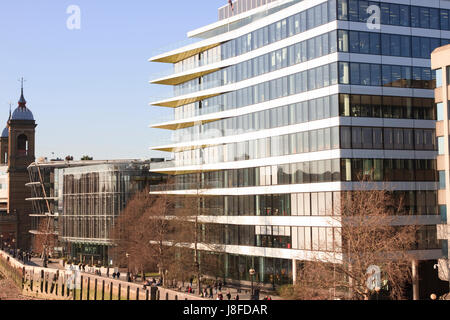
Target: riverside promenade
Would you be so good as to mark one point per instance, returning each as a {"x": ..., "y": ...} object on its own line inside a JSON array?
[
  {"x": 243, "y": 293},
  {"x": 59, "y": 283}
]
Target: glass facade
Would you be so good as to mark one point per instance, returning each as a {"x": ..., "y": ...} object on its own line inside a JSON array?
[
  {"x": 83, "y": 199},
  {"x": 388, "y": 44},
  {"x": 93, "y": 197},
  {"x": 315, "y": 115},
  {"x": 395, "y": 14}
]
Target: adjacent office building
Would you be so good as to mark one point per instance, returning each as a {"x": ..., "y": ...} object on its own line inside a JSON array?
[
  {"x": 280, "y": 106},
  {"x": 440, "y": 61},
  {"x": 83, "y": 200}
]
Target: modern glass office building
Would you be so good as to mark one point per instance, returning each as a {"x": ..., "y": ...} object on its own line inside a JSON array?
[
  {"x": 83, "y": 200},
  {"x": 90, "y": 200},
  {"x": 280, "y": 106}
]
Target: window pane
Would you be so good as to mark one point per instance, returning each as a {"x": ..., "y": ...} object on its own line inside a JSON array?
[
  {"x": 354, "y": 74},
  {"x": 405, "y": 44},
  {"x": 374, "y": 43},
  {"x": 365, "y": 74},
  {"x": 395, "y": 45},
  {"x": 354, "y": 41},
  {"x": 404, "y": 16},
  {"x": 356, "y": 138}
]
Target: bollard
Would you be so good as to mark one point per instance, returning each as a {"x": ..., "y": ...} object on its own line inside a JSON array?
[
  {"x": 88, "y": 288},
  {"x": 23, "y": 277},
  {"x": 137, "y": 294},
  {"x": 111, "y": 291},
  {"x": 95, "y": 289},
  {"x": 120, "y": 291},
  {"x": 128, "y": 293},
  {"x": 62, "y": 289},
  {"x": 146, "y": 294},
  {"x": 103, "y": 290},
  {"x": 167, "y": 296}
]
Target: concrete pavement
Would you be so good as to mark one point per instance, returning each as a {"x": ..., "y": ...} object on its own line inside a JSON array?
[{"x": 243, "y": 293}]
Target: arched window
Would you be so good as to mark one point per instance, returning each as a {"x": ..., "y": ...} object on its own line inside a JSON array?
[{"x": 22, "y": 145}]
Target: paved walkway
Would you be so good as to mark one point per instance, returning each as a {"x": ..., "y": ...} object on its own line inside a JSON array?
[{"x": 244, "y": 293}]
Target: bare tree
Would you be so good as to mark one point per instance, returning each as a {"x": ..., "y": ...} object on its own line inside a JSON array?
[
  {"x": 369, "y": 237},
  {"x": 145, "y": 233},
  {"x": 192, "y": 214},
  {"x": 165, "y": 231},
  {"x": 45, "y": 239}
]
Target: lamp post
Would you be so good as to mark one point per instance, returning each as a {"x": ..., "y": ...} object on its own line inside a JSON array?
[
  {"x": 128, "y": 266},
  {"x": 252, "y": 274},
  {"x": 14, "y": 247}
]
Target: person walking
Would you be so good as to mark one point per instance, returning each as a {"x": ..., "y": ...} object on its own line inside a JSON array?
[
  {"x": 228, "y": 295},
  {"x": 237, "y": 297},
  {"x": 211, "y": 295}
]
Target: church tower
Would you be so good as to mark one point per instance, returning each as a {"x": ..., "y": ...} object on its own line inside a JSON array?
[
  {"x": 21, "y": 153},
  {"x": 4, "y": 142}
]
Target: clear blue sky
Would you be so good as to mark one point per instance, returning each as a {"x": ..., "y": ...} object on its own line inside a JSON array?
[{"x": 88, "y": 89}]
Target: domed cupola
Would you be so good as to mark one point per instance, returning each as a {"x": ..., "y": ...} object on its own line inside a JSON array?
[
  {"x": 5, "y": 133},
  {"x": 22, "y": 112}
]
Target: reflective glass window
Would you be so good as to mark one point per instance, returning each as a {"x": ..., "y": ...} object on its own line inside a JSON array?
[
  {"x": 404, "y": 15},
  {"x": 374, "y": 43},
  {"x": 415, "y": 17},
  {"x": 441, "y": 145}
]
